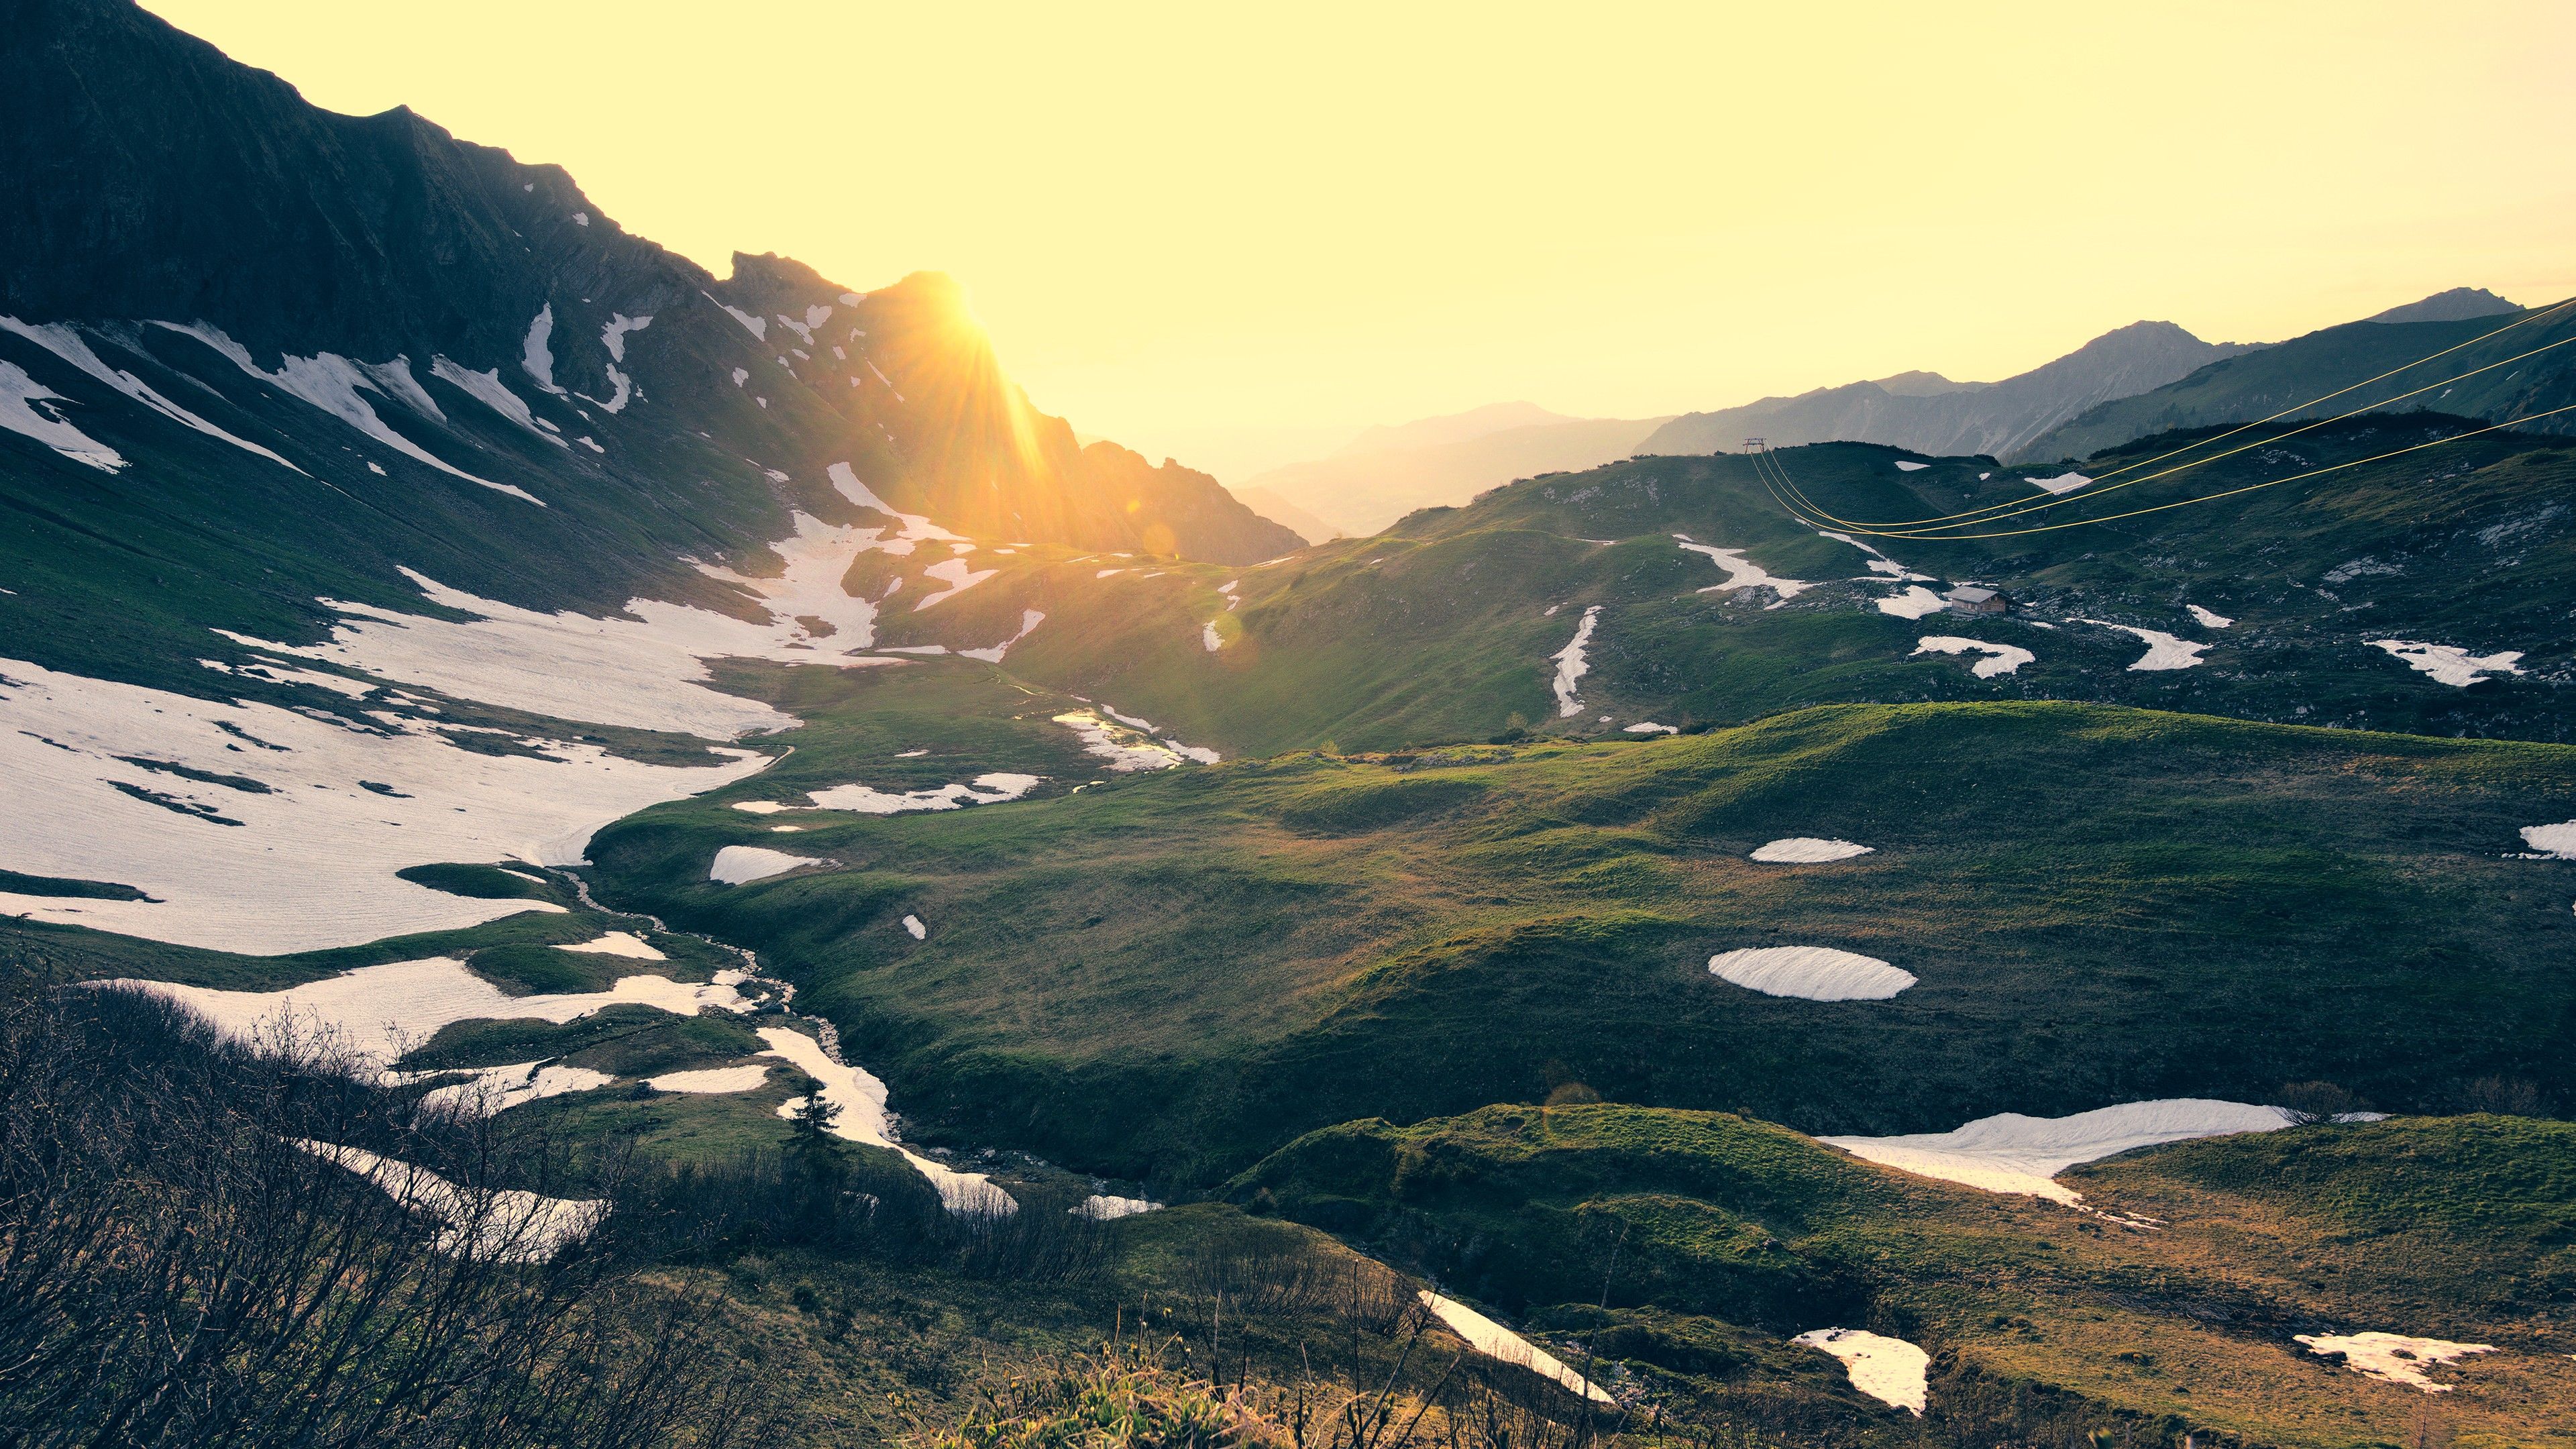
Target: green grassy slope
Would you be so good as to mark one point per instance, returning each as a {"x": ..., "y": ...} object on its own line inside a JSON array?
[
  {"x": 1709, "y": 1238},
  {"x": 1167, "y": 976},
  {"x": 1444, "y": 628}
]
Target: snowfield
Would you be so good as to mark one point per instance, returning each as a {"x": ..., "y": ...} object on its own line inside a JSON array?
[
  {"x": 1496, "y": 1342},
  {"x": 1742, "y": 573},
  {"x": 1810, "y": 973},
  {"x": 2012, "y": 1153},
  {"x": 1807, "y": 850},
  {"x": 376, "y": 1013},
  {"x": 287, "y": 850},
  {"x": 1998, "y": 658},
  {"x": 2452, "y": 666},
  {"x": 1889, "y": 1370},
  {"x": 507, "y": 1226}
]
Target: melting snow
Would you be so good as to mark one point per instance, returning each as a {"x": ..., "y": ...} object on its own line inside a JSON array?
[
  {"x": 2556, "y": 841},
  {"x": 1496, "y": 1342},
  {"x": 1649, "y": 727},
  {"x": 1999, "y": 658},
  {"x": 537, "y": 356},
  {"x": 1029, "y": 619},
  {"x": 1879, "y": 563},
  {"x": 67, "y": 344},
  {"x": 487, "y": 1090},
  {"x": 620, "y": 943},
  {"x": 912, "y": 926},
  {"x": 306, "y": 831},
  {"x": 330, "y": 382},
  {"x": 19, "y": 395},
  {"x": 1124, "y": 749},
  {"x": 379, "y": 1012},
  {"x": 1905, "y": 467},
  {"x": 2012, "y": 1153},
  {"x": 713, "y": 1080},
  {"x": 2452, "y": 666},
  {"x": 957, "y": 574},
  {"x": 507, "y": 1226},
  {"x": 863, "y": 1118},
  {"x": 1102, "y": 1208},
  {"x": 990, "y": 789},
  {"x": 1571, "y": 665},
  {"x": 1808, "y": 850},
  {"x": 2164, "y": 651},
  {"x": 2392, "y": 1357},
  {"x": 1914, "y": 603},
  {"x": 488, "y": 389},
  {"x": 2059, "y": 486},
  {"x": 1889, "y": 1370},
  {"x": 2207, "y": 619},
  {"x": 742, "y": 864},
  {"x": 756, "y": 326},
  {"x": 1810, "y": 973},
  {"x": 1210, "y": 638},
  {"x": 1744, "y": 574}
]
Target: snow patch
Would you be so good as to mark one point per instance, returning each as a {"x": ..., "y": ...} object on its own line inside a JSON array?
[
  {"x": 1571, "y": 666},
  {"x": 2164, "y": 651},
  {"x": 1741, "y": 573},
  {"x": 1914, "y": 603},
  {"x": 2555, "y": 841},
  {"x": 63, "y": 342},
  {"x": 2392, "y": 1357},
  {"x": 1126, "y": 750},
  {"x": 742, "y": 864},
  {"x": 487, "y": 1090},
  {"x": 2059, "y": 486},
  {"x": 1029, "y": 619},
  {"x": 2206, "y": 619},
  {"x": 19, "y": 394},
  {"x": 1496, "y": 1342},
  {"x": 1808, "y": 850},
  {"x": 1999, "y": 658},
  {"x": 1905, "y": 467},
  {"x": 1889, "y": 1370},
  {"x": 536, "y": 355},
  {"x": 756, "y": 326},
  {"x": 619, "y": 943},
  {"x": 2011, "y": 1153},
  {"x": 1102, "y": 1208},
  {"x": 712, "y": 1081},
  {"x": 957, "y": 574},
  {"x": 913, "y": 927},
  {"x": 1649, "y": 727},
  {"x": 1210, "y": 638},
  {"x": 488, "y": 389},
  {"x": 2451, "y": 665},
  {"x": 1810, "y": 973},
  {"x": 992, "y": 789},
  {"x": 501, "y": 1225},
  {"x": 863, "y": 1118}
]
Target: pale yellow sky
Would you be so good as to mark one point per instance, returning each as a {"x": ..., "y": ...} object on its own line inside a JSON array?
[{"x": 1229, "y": 232}]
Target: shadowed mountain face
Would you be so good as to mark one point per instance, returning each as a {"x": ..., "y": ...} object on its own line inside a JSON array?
[
  {"x": 1928, "y": 413},
  {"x": 472, "y": 306}
]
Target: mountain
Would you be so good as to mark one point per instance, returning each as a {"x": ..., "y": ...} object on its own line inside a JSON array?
[
  {"x": 1927, "y": 413},
  {"x": 1388, "y": 472},
  {"x": 207, "y": 269},
  {"x": 1286, "y": 514},
  {"x": 2526, "y": 367}
]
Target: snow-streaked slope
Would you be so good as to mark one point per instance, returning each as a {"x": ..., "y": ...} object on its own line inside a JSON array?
[{"x": 2017, "y": 1154}]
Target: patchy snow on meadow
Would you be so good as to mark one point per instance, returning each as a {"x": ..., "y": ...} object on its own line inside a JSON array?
[
  {"x": 1916, "y": 602},
  {"x": 1808, "y": 850},
  {"x": 487, "y": 1090},
  {"x": 743, "y": 864},
  {"x": 1902, "y": 466},
  {"x": 1125, "y": 750},
  {"x": 2451, "y": 665},
  {"x": 1209, "y": 638},
  {"x": 1997, "y": 658},
  {"x": 1889, "y": 1370},
  {"x": 19, "y": 413},
  {"x": 990, "y": 789},
  {"x": 1571, "y": 666},
  {"x": 1742, "y": 573},
  {"x": 957, "y": 574},
  {"x": 1103, "y": 1208},
  {"x": 712, "y": 1081},
  {"x": 1879, "y": 563},
  {"x": 2164, "y": 651},
  {"x": 1810, "y": 973},
  {"x": 2206, "y": 619},
  {"x": 504, "y": 1225},
  {"x": 2061, "y": 485},
  {"x": 1496, "y": 1342},
  {"x": 863, "y": 1118},
  {"x": 1029, "y": 620},
  {"x": 914, "y": 928},
  {"x": 377, "y": 1013},
  {"x": 619, "y": 943},
  {"x": 64, "y": 342},
  {"x": 1649, "y": 727},
  {"x": 293, "y": 842},
  {"x": 488, "y": 389},
  {"x": 2011, "y": 1153},
  {"x": 2391, "y": 1357}
]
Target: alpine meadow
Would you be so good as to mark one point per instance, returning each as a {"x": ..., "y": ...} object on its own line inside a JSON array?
[{"x": 614, "y": 844}]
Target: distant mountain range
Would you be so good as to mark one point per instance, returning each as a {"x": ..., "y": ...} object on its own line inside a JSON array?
[
  {"x": 1388, "y": 472},
  {"x": 1928, "y": 413}
]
